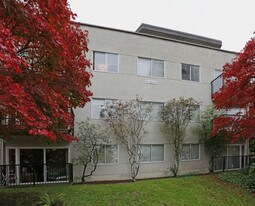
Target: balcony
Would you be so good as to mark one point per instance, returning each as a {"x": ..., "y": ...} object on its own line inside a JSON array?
[
  {"x": 12, "y": 124},
  {"x": 216, "y": 84}
]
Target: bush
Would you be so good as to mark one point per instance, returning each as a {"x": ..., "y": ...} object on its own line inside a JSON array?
[
  {"x": 243, "y": 179},
  {"x": 233, "y": 177},
  {"x": 252, "y": 169},
  {"x": 48, "y": 200}
]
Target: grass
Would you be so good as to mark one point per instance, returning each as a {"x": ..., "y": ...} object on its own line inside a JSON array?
[{"x": 191, "y": 190}]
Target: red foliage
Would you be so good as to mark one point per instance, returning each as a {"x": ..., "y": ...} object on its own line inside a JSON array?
[
  {"x": 43, "y": 66},
  {"x": 238, "y": 92}
]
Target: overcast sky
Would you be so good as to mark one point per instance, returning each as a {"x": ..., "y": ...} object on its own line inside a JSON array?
[{"x": 231, "y": 21}]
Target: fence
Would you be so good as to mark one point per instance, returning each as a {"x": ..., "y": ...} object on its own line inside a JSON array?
[
  {"x": 225, "y": 163},
  {"x": 32, "y": 174}
]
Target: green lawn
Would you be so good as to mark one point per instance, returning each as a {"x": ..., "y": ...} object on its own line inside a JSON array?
[{"x": 191, "y": 190}]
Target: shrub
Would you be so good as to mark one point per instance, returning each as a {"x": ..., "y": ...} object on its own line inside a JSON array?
[
  {"x": 48, "y": 200},
  {"x": 242, "y": 179},
  {"x": 252, "y": 169}
]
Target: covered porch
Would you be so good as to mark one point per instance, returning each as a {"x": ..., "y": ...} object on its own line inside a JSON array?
[{"x": 25, "y": 161}]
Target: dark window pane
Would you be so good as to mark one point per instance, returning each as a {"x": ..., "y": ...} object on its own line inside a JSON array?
[{"x": 185, "y": 72}]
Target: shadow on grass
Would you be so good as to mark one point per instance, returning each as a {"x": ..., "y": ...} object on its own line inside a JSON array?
[{"x": 19, "y": 199}]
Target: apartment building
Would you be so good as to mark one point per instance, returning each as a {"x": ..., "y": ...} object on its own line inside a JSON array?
[
  {"x": 157, "y": 64},
  {"x": 154, "y": 63}
]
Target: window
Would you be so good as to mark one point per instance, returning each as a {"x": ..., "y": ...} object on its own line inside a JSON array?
[
  {"x": 217, "y": 72},
  {"x": 190, "y": 72},
  {"x": 106, "y": 62},
  {"x": 108, "y": 154},
  {"x": 155, "y": 108},
  {"x": 190, "y": 152},
  {"x": 97, "y": 106},
  {"x": 152, "y": 153},
  {"x": 218, "y": 81},
  {"x": 235, "y": 112},
  {"x": 196, "y": 113},
  {"x": 150, "y": 67},
  {"x": 233, "y": 159}
]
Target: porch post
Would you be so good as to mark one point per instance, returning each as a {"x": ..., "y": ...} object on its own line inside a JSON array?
[
  {"x": 44, "y": 166},
  {"x": 17, "y": 165}
]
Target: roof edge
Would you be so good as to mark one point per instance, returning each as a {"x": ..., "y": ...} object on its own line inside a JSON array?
[
  {"x": 178, "y": 35},
  {"x": 156, "y": 37}
]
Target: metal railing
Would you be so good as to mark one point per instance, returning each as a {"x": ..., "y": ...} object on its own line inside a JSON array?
[
  {"x": 216, "y": 84},
  {"x": 33, "y": 174},
  {"x": 225, "y": 163}
]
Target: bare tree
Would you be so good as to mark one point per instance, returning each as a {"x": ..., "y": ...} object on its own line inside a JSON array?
[
  {"x": 176, "y": 115},
  {"x": 127, "y": 120},
  {"x": 91, "y": 140}
]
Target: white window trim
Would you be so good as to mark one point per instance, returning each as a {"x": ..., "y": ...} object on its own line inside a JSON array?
[
  {"x": 190, "y": 160},
  {"x": 190, "y": 73},
  {"x": 164, "y": 69},
  {"x": 106, "y": 60},
  {"x": 153, "y": 162},
  {"x": 106, "y": 164}
]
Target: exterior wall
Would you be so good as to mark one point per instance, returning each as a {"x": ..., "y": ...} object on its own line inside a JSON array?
[{"x": 126, "y": 84}]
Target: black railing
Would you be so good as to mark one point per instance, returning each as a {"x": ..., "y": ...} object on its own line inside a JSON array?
[
  {"x": 33, "y": 174},
  {"x": 224, "y": 163},
  {"x": 216, "y": 84}
]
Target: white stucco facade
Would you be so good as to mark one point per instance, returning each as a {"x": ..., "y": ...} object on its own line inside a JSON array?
[{"x": 126, "y": 84}]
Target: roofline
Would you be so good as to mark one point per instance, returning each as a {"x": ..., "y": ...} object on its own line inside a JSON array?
[
  {"x": 179, "y": 35},
  {"x": 155, "y": 37}
]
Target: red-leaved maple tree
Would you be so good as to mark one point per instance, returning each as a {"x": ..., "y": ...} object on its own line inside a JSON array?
[
  {"x": 238, "y": 91},
  {"x": 42, "y": 67}
]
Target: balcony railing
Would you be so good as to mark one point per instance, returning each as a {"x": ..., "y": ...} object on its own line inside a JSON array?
[
  {"x": 34, "y": 174},
  {"x": 225, "y": 163},
  {"x": 216, "y": 84}
]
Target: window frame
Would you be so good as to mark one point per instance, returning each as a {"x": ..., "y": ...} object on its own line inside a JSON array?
[
  {"x": 149, "y": 162},
  {"x": 151, "y": 60},
  {"x": 193, "y": 119},
  {"x": 105, "y": 163},
  {"x": 199, "y": 155},
  {"x": 190, "y": 65},
  {"x": 151, "y": 104},
  {"x": 106, "y": 61},
  {"x": 91, "y": 106}
]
